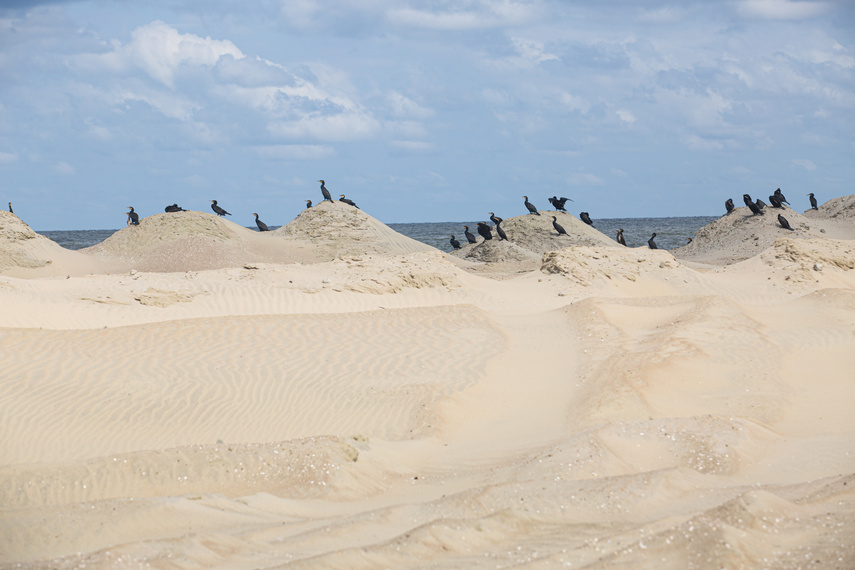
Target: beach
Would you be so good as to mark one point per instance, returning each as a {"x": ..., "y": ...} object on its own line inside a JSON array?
[{"x": 332, "y": 394}]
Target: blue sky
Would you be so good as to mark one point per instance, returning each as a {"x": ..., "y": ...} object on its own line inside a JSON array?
[{"x": 421, "y": 110}]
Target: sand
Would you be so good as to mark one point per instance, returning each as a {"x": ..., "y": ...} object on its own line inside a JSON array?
[{"x": 191, "y": 393}]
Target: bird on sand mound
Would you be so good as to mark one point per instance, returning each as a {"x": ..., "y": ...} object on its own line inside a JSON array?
[
  {"x": 558, "y": 227},
  {"x": 812, "y": 202},
  {"x": 619, "y": 237},
  {"x": 751, "y": 205},
  {"x": 262, "y": 227},
  {"x": 218, "y": 210},
  {"x": 133, "y": 217},
  {"x": 729, "y": 205},
  {"x": 325, "y": 192},
  {"x": 530, "y": 206},
  {"x": 586, "y": 218},
  {"x": 784, "y": 223},
  {"x": 172, "y": 208},
  {"x": 308, "y": 204},
  {"x": 12, "y": 212},
  {"x": 495, "y": 219},
  {"x": 501, "y": 232},
  {"x": 780, "y": 196},
  {"x": 454, "y": 243},
  {"x": 484, "y": 230},
  {"x": 652, "y": 244},
  {"x": 760, "y": 203},
  {"x": 558, "y": 203},
  {"x": 341, "y": 198},
  {"x": 470, "y": 237},
  {"x": 774, "y": 202}
]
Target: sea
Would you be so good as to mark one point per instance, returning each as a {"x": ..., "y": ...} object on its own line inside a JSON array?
[{"x": 671, "y": 233}]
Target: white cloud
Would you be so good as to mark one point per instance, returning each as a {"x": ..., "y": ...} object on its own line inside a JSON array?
[
  {"x": 340, "y": 127},
  {"x": 625, "y": 116},
  {"x": 694, "y": 142},
  {"x": 471, "y": 15},
  {"x": 295, "y": 151},
  {"x": 402, "y": 106},
  {"x": 573, "y": 102},
  {"x": 64, "y": 168},
  {"x": 782, "y": 9},
  {"x": 804, "y": 163},
  {"x": 8, "y": 157}
]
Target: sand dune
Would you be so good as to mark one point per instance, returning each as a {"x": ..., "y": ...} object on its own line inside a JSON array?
[{"x": 375, "y": 403}]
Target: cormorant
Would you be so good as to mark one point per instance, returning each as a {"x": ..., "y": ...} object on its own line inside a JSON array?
[
  {"x": 751, "y": 205},
  {"x": 501, "y": 232},
  {"x": 173, "y": 208},
  {"x": 346, "y": 201},
  {"x": 262, "y": 227},
  {"x": 773, "y": 200},
  {"x": 558, "y": 203},
  {"x": 308, "y": 204},
  {"x": 619, "y": 237},
  {"x": 495, "y": 219},
  {"x": 812, "y": 202},
  {"x": 325, "y": 192},
  {"x": 469, "y": 237},
  {"x": 218, "y": 210},
  {"x": 133, "y": 217},
  {"x": 780, "y": 196},
  {"x": 729, "y": 205},
  {"x": 12, "y": 212},
  {"x": 454, "y": 243},
  {"x": 760, "y": 203},
  {"x": 484, "y": 230},
  {"x": 784, "y": 223},
  {"x": 558, "y": 228},
  {"x": 652, "y": 244},
  {"x": 530, "y": 206},
  {"x": 688, "y": 241},
  {"x": 586, "y": 218}
]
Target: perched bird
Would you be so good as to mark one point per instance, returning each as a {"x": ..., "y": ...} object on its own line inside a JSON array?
[
  {"x": 558, "y": 203},
  {"x": 346, "y": 201},
  {"x": 218, "y": 210},
  {"x": 784, "y": 223},
  {"x": 133, "y": 217},
  {"x": 173, "y": 208},
  {"x": 469, "y": 236},
  {"x": 325, "y": 192},
  {"x": 729, "y": 205},
  {"x": 308, "y": 204},
  {"x": 760, "y": 203},
  {"x": 495, "y": 219},
  {"x": 530, "y": 206},
  {"x": 262, "y": 227},
  {"x": 12, "y": 211},
  {"x": 484, "y": 230},
  {"x": 619, "y": 237},
  {"x": 751, "y": 205},
  {"x": 688, "y": 241},
  {"x": 586, "y": 218},
  {"x": 780, "y": 196},
  {"x": 812, "y": 202},
  {"x": 501, "y": 232},
  {"x": 652, "y": 244},
  {"x": 774, "y": 202},
  {"x": 454, "y": 243},
  {"x": 558, "y": 227}
]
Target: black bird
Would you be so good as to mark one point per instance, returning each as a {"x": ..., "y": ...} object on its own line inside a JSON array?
[
  {"x": 12, "y": 212},
  {"x": 586, "y": 218},
  {"x": 530, "y": 206},
  {"x": 780, "y": 196},
  {"x": 784, "y": 223},
  {"x": 619, "y": 237},
  {"x": 173, "y": 208},
  {"x": 652, "y": 244},
  {"x": 133, "y": 217},
  {"x": 558, "y": 228},
  {"x": 484, "y": 230},
  {"x": 454, "y": 243},
  {"x": 347, "y": 201},
  {"x": 308, "y": 204},
  {"x": 773, "y": 200},
  {"x": 495, "y": 219},
  {"x": 501, "y": 232},
  {"x": 469, "y": 237},
  {"x": 218, "y": 210},
  {"x": 262, "y": 227},
  {"x": 729, "y": 205},
  {"x": 688, "y": 241},
  {"x": 558, "y": 203},
  {"x": 760, "y": 204},
  {"x": 751, "y": 205},
  {"x": 812, "y": 202},
  {"x": 325, "y": 192}
]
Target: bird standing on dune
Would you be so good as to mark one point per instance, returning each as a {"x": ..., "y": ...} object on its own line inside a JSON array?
[
  {"x": 172, "y": 208},
  {"x": 325, "y": 192},
  {"x": 530, "y": 206},
  {"x": 586, "y": 218},
  {"x": 784, "y": 223},
  {"x": 133, "y": 217},
  {"x": 262, "y": 227},
  {"x": 495, "y": 219},
  {"x": 484, "y": 230},
  {"x": 501, "y": 232},
  {"x": 812, "y": 202},
  {"x": 558, "y": 203},
  {"x": 308, "y": 204},
  {"x": 454, "y": 243},
  {"x": 652, "y": 244},
  {"x": 780, "y": 196},
  {"x": 774, "y": 202},
  {"x": 470, "y": 237},
  {"x": 347, "y": 201},
  {"x": 619, "y": 237},
  {"x": 729, "y": 205},
  {"x": 558, "y": 227},
  {"x": 751, "y": 205},
  {"x": 12, "y": 212},
  {"x": 218, "y": 210}
]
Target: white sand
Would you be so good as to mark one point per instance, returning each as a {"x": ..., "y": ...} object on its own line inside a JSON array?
[{"x": 334, "y": 395}]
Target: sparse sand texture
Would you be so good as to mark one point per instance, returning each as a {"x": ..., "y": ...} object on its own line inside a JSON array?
[{"x": 332, "y": 394}]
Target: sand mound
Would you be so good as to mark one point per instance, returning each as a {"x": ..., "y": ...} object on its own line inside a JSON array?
[
  {"x": 334, "y": 229},
  {"x": 739, "y": 235},
  {"x": 841, "y": 208}
]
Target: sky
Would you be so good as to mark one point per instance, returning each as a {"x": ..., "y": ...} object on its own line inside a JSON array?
[{"x": 421, "y": 110}]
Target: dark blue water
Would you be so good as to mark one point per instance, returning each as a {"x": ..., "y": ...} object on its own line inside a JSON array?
[{"x": 670, "y": 232}]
